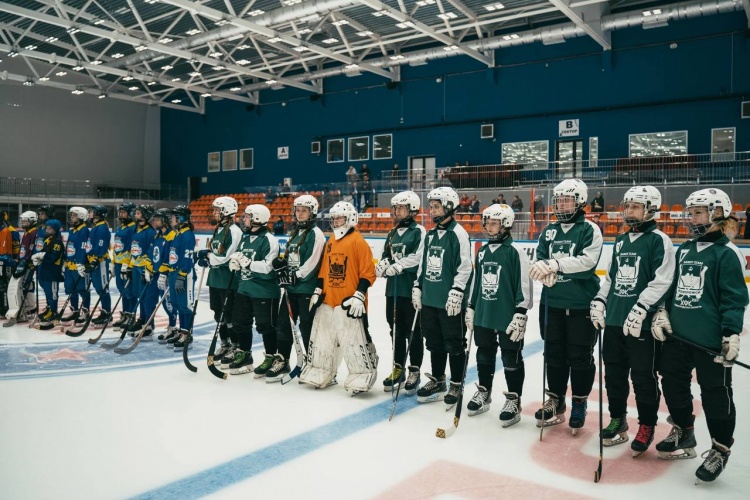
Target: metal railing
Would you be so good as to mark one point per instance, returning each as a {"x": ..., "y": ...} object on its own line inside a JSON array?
[{"x": 56, "y": 188}]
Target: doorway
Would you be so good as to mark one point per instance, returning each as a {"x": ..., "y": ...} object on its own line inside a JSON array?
[
  {"x": 569, "y": 158},
  {"x": 422, "y": 172}
]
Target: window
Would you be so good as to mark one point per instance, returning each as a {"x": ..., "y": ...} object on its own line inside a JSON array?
[
  {"x": 335, "y": 150},
  {"x": 359, "y": 148},
  {"x": 381, "y": 147},
  {"x": 723, "y": 143},
  {"x": 246, "y": 159},
  {"x": 531, "y": 155},
  {"x": 659, "y": 144},
  {"x": 214, "y": 162},
  {"x": 230, "y": 160},
  {"x": 593, "y": 152}
]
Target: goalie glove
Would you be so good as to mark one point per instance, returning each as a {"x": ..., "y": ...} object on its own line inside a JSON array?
[
  {"x": 162, "y": 283},
  {"x": 416, "y": 298},
  {"x": 381, "y": 267},
  {"x": 394, "y": 269},
  {"x": 730, "y": 349},
  {"x": 469, "y": 319},
  {"x": 634, "y": 322},
  {"x": 543, "y": 268},
  {"x": 660, "y": 325},
  {"x": 316, "y": 299},
  {"x": 597, "y": 309},
  {"x": 354, "y": 305},
  {"x": 517, "y": 327},
  {"x": 454, "y": 302}
]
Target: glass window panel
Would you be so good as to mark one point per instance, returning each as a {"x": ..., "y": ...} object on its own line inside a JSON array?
[
  {"x": 230, "y": 160},
  {"x": 659, "y": 144},
  {"x": 246, "y": 159},
  {"x": 531, "y": 155},
  {"x": 214, "y": 162},
  {"x": 381, "y": 147},
  {"x": 723, "y": 144},
  {"x": 335, "y": 150},
  {"x": 593, "y": 151},
  {"x": 359, "y": 148}
]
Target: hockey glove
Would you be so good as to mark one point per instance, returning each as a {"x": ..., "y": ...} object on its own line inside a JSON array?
[
  {"x": 517, "y": 327},
  {"x": 180, "y": 282},
  {"x": 147, "y": 276},
  {"x": 37, "y": 258},
  {"x": 381, "y": 267},
  {"x": 597, "y": 309},
  {"x": 91, "y": 265},
  {"x": 730, "y": 349},
  {"x": 455, "y": 300},
  {"x": 634, "y": 322},
  {"x": 354, "y": 305},
  {"x": 542, "y": 268},
  {"x": 81, "y": 270},
  {"x": 279, "y": 263},
  {"x": 469, "y": 319},
  {"x": 238, "y": 261},
  {"x": 125, "y": 272},
  {"x": 202, "y": 257},
  {"x": 549, "y": 280},
  {"x": 394, "y": 269},
  {"x": 416, "y": 298},
  {"x": 162, "y": 283},
  {"x": 286, "y": 278},
  {"x": 316, "y": 299},
  {"x": 660, "y": 325}
]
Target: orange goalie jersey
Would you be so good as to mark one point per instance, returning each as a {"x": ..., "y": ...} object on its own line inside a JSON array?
[{"x": 344, "y": 263}]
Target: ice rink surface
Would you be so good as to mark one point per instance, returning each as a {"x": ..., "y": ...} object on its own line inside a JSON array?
[{"x": 79, "y": 421}]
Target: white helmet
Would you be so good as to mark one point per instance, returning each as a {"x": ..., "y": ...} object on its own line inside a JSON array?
[
  {"x": 345, "y": 209},
  {"x": 648, "y": 196},
  {"x": 448, "y": 198},
  {"x": 712, "y": 199},
  {"x": 259, "y": 215},
  {"x": 81, "y": 212},
  {"x": 29, "y": 218},
  {"x": 226, "y": 204},
  {"x": 575, "y": 188},
  {"x": 310, "y": 202},
  {"x": 501, "y": 212},
  {"x": 408, "y": 198}
]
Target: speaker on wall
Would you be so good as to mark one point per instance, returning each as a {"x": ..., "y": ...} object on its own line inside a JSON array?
[
  {"x": 487, "y": 131},
  {"x": 250, "y": 107},
  {"x": 315, "y": 147}
]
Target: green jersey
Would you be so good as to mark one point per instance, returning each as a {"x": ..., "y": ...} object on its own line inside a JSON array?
[
  {"x": 708, "y": 295},
  {"x": 446, "y": 264},
  {"x": 501, "y": 285},
  {"x": 303, "y": 252},
  {"x": 405, "y": 248},
  {"x": 641, "y": 271},
  {"x": 224, "y": 243},
  {"x": 576, "y": 246},
  {"x": 258, "y": 280}
]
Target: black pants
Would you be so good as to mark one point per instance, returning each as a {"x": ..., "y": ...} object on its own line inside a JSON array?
[
  {"x": 715, "y": 381},
  {"x": 216, "y": 297},
  {"x": 404, "y": 315},
  {"x": 300, "y": 310},
  {"x": 445, "y": 337},
  {"x": 487, "y": 341},
  {"x": 569, "y": 339},
  {"x": 625, "y": 355},
  {"x": 264, "y": 312}
]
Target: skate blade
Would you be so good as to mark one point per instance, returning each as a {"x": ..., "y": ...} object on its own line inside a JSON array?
[
  {"x": 411, "y": 392},
  {"x": 241, "y": 371},
  {"x": 430, "y": 399},
  {"x": 682, "y": 454},
  {"x": 615, "y": 441},
  {"x": 395, "y": 387},
  {"x": 449, "y": 406},
  {"x": 637, "y": 454},
  {"x": 273, "y": 380},
  {"x": 508, "y": 423},
  {"x": 474, "y": 413},
  {"x": 575, "y": 430},
  {"x": 552, "y": 421}
]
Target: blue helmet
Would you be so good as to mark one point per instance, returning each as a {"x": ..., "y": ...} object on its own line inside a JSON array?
[{"x": 54, "y": 224}]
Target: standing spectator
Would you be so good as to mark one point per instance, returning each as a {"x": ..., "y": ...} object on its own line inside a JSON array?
[
  {"x": 539, "y": 207},
  {"x": 595, "y": 220},
  {"x": 285, "y": 188},
  {"x": 351, "y": 175},
  {"x": 365, "y": 170},
  {"x": 517, "y": 204},
  {"x": 474, "y": 207},
  {"x": 366, "y": 189},
  {"x": 500, "y": 200},
  {"x": 278, "y": 226},
  {"x": 747, "y": 222},
  {"x": 464, "y": 204},
  {"x": 597, "y": 204},
  {"x": 355, "y": 197}
]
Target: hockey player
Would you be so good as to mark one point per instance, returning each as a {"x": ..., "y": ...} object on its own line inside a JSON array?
[
  {"x": 297, "y": 272},
  {"x": 566, "y": 259},
  {"x": 443, "y": 277},
  {"x": 44, "y": 213},
  {"x": 123, "y": 239},
  {"x": 638, "y": 277},
  {"x": 97, "y": 265},
  {"x": 21, "y": 288},
  {"x": 399, "y": 262},
  {"x": 224, "y": 243},
  {"x": 340, "y": 326},
  {"x": 257, "y": 298},
  {"x": 48, "y": 261},
  {"x": 10, "y": 246},
  {"x": 501, "y": 295},
  {"x": 76, "y": 278},
  {"x": 160, "y": 268},
  {"x": 181, "y": 279},
  {"x": 141, "y": 272},
  {"x": 705, "y": 305}
]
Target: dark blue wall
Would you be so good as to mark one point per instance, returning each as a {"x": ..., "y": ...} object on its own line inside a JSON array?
[{"x": 641, "y": 86}]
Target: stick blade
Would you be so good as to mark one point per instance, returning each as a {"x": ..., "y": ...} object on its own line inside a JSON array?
[
  {"x": 449, "y": 431},
  {"x": 291, "y": 375}
]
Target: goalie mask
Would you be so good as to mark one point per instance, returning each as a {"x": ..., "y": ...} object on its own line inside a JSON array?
[
  {"x": 499, "y": 212},
  {"x": 568, "y": 198},
  {"x": 647, "y": 196},
  {"x": 408, "y": 199},
  {"x": 448, "y": 198},
  {"x": 709, "y": 199},
  {"x": 343, "y": 217},
  {"x": 309, "y": 202},
  {"x": 227, "y": 208}
]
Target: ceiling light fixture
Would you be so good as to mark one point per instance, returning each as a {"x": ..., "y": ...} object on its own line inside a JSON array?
[
  {"x": 274, "y": 39},
  {"x": 219, "y": 67},
  {"x": 166, "y": 40},
  {"x": 127, "y": 78},
  {"x": 77, "y": 91},
  {"x": 329, "y": 41},
  {"x": 44, "y": 79},
  {"x": 167, "y": 67},
  {"x": 31, "y": 47},
  {"x": 340, "y": 22},
  {"x": 256, "y": 12},
  {"x": 195, "y": 73},
  {"x": 117, "y": 55},
  {"x": 193, "y": 31},
  {"x": 405, "y": 24},
  {"x": 243, "y": 62},
  {"x": 447, "y": 15},
  {"x": 61, "y": 73},
  {"x": 494, "y": 6},
  {"x": 206, "y": 94},
  {"x": 364, "y": 33},
  {"x": 78, "y": 68},
  {"x": 51, "y": 39},
  {"x": 134, "y": 87},
  {"x": 140, "y": 48},
  {"x": 304, "y": 31},
  {"x": 235, "y": 89},
  {"x": 243, "y": 47},
  {"x": 176, "y": 101}
]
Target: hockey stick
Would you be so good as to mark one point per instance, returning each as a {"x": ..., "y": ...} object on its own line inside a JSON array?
[
  {"x": 707, "y": 350},
  {"x": 395, "y": 329},
  {"x": 78, "y": 333},
  {"x": 190, "y": 366},
  {"x": 137, "y": 340},
  {"x": 408, "y": 344},
  {"x": 544, "y": 365},
  {"x": 301, "y": 356},
  {"x": 70, "y": 295},
  {"x": 210, "y": 358},
  {"x": 117, "y": 303},
  {"x": 36, "y": 291},
  {"x": 446, "y": 433},
  {"x": 131, "y": 320},
  {"x": 598, "y": 471},
  {"x": 26, "y": 289}
]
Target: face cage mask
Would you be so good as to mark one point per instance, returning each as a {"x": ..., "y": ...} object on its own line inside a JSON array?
[
  {"x": 448, "y": 213},
  {"x": 500, "y": 236},
  {"x": 564, "y": 216},
  {"x": 405, "y": 221},
  {"x": 698, "y": 229},
  {"x": 635, "y": 223}
]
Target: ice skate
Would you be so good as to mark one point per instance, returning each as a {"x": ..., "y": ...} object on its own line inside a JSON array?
[
  {"x": 70, "y": 318},
  {"x": 511, "y": 412},
  {"x": 395, "y": 379},
  {"x": 412, "y": 381},
  {"x": 643, "y": 439},
  {"x": 122, "y": 323},
  {"x": 277, "y": 371},
  {"x": 454, "y": 391},
  {"x": 104, "y": 318},
  {"x": 616, "y": 432},
  {"x": 480, "y": 402},
  {"x": 578, "y": 413},
  {"x": 135, "y": 327},
  {"x": 148, "y": 335},
  {"x": 260, "y": 370},
  {"x": 184, "y": 338},
  {"x": 83, "y": 316},
  {"x": 170, "y": 333},
  {"x": 242, "y": 362},
  {"x": 552, "y": 413},
  {"x": 715, "y": 461},
  {"x": 228, "y": 357},
  {"x": 432, "y": 391},
  {"x": 680, "y": 444}
]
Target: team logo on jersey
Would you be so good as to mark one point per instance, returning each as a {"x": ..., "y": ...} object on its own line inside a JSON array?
[
  {"x": 398, "y": 250},
  {"x": 135, "y": 249},
  {"x": 490, "y": 279},
  {"x": 559, "y": 250},
  {"x": 157, "y": 254},
  {"x": 337, "y": 269},
  {"x": 434, "y": 269},
  {"x": 246, "y": 273},
  {"x": 70, "y": 249},
  {"x": 292, "y": 256},
  {"x": 173, "y": 257},
  {"x": 39, "y": 245},
  {"x": 22, "y": 253},
  {"x": 690, "y": 285},
  {"x": 87, "y": 246},
  {"x": 119, "y": 247},
  {"x": 628, "y": 267}
]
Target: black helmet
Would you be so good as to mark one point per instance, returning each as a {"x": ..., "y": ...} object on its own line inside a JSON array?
[
  {"x": 48, "y": 210},
  {"x": 129, "y": 208},
  {"x": 147, "y": 211},
  {"x": 99, "y": 211},
  {"x": 164, "y": 214},
  {"x": 182, "y": 213}
]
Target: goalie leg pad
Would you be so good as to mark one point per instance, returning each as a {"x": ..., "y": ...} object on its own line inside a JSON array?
[
  {"x": 359, "y": 353},
  {"x": 324, "y": 354},
  {"x": 15, "y": 296}
]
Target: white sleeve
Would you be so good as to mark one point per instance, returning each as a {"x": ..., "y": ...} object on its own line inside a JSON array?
[
  {"x": 236, "y": 239},
  {"x": 588, "y": 259},
  {"x": 414, "y": 259},
  {"x": 463, "y": 273},
  {"x": 264, "y": 266},
  {"x": 658, "y": 287},
  {"x": 606, "y": 283},
  {"x": 311, "y": 264},
  {"x": 527, "y": 285}
]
